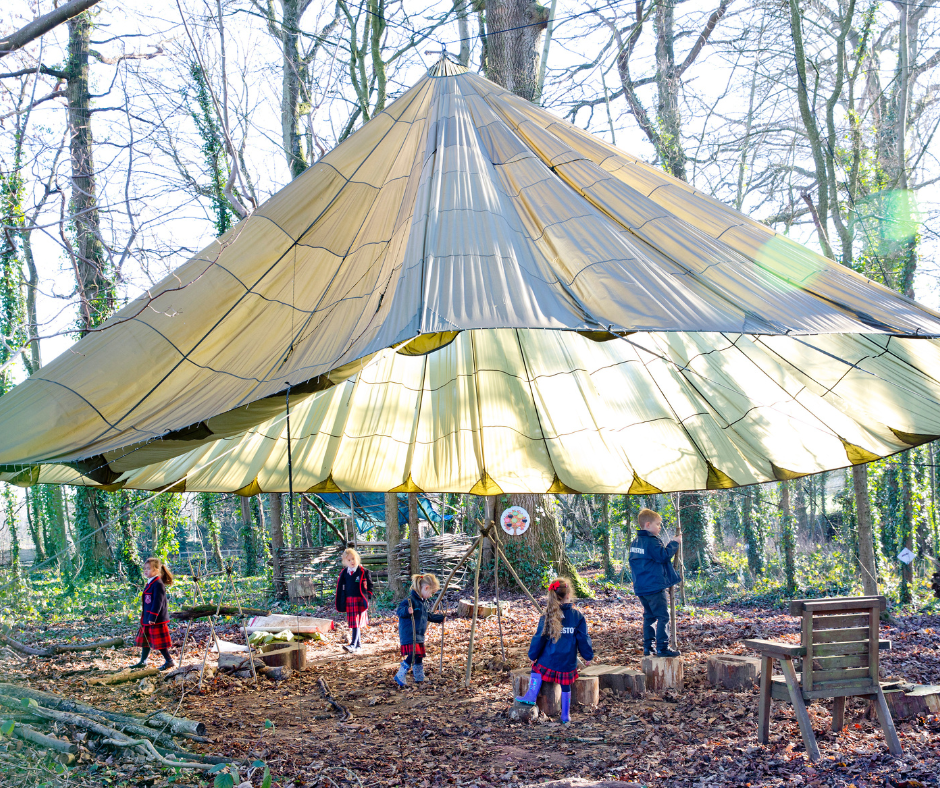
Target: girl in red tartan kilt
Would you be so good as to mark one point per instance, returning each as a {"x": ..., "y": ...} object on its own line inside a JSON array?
[
  {"x": 561, "y": 635},
  {"x": 353, "y": 592},
  {"x": 154, "y": 633},
  {"x": 414, "y": 613}
]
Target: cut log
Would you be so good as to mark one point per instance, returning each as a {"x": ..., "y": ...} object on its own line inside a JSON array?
[
  {"x": 586, "y": 691},
  {"x": 294, "y": 655},
  {"x": 484, "y": 609},
  {"x": 234, "y": 662},
  {"x": 176, "y": 724},
  {"x": 919, "y": 700},
  {"x": 299, "y": 625},
  {"x": 662, "y": 673},
  {"x": 204, "y": 611},
  {"x": 26, "y": 733},
  {"x": 523, "y": 712},
  {"x": 53, "y": 651},
  {"x": 618, "y": 679},
  {"x": 123, "y": 675},
  {"x": 732, "y": 671},
  {"x": 549, "y": 698}
]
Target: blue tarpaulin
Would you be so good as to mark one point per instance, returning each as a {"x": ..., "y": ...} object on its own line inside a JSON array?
[{"x": 370, "y": 508}]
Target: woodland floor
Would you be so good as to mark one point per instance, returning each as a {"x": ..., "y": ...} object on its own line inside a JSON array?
[{"x": 442, "y": 733}]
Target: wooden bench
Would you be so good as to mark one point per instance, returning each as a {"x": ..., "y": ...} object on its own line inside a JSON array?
[{"x": 839, "y": 652}]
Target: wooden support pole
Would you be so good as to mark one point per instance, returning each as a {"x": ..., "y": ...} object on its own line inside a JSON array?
[
  {"x": 499, "y": 612},
  {"x": 454, "y": 571},
  {"x": 476, "y": 603}
]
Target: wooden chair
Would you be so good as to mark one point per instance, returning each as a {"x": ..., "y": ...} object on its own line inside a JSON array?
[{"x": 839, "y": 652}]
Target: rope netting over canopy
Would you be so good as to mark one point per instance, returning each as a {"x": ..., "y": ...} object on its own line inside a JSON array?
[{"x": 471, "y": 295}]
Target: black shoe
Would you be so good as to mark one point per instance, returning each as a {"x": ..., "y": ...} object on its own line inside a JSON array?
[
  {"x": 166, "y": 665},
  {"x": 137, "y": 665},
  {"x": 668, "y": 652}
]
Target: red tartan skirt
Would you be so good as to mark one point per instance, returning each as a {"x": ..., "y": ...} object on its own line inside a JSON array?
[
  {"x": 154, "y": 636},
  {"x": 355, "y": 607},
  {"x": 413, "y": 648},
  {"x": 563, "y": 677}
]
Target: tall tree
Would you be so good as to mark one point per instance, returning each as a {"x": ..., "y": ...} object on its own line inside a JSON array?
[
  {"x": 277, "y": 544},
  {"x": 787, "y": 539},
  {"x": 392, "y": 538}
]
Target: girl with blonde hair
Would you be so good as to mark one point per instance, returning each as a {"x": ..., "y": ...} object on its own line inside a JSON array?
[
  {"x": 561, "y": 635},
  {"x": 154, "y": 631},
  {"x": 354, "y": 589},
  {"x": 414, "y": 613}
]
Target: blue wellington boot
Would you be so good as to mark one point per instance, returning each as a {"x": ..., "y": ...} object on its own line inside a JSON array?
[
  {"x": 565, "y": 708},
  {"x": 401, "y": 678},
  {"x": 532, "y": 694},
  {"x": 418, "y": 672}
]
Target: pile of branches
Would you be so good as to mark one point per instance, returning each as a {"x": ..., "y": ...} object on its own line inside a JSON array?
[{"x": 66, "y": 727}]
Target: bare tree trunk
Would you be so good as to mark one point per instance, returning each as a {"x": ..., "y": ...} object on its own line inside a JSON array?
[
  {"x": 866, "y": 544},
  {"x": 511, "y": 58},
  {"x": 605, "y": 531},
  {"x": 414, "y": 534},
  {"x": 907, "y": 528},
  {"x": 787, "y": 538},
  {"x": 393, "y": 537},
  {"x": 277, "y": 544}
]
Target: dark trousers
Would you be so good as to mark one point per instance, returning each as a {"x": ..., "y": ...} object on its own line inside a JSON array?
[{"x": 655, "y": 609}]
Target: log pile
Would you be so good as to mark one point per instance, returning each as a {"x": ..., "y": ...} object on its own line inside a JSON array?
[
  {"x": 484, "y": 609},
  {"x": 151, "y": 737}
]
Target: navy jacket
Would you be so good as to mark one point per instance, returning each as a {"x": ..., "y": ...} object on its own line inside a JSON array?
[
  {"x": 154, "y": 603},
  {"x": 422, "y": 614},
  {"x": 562, "y": 654},
  {"x": 651, "y": 563},
  {"x": 359, "y": 583}
]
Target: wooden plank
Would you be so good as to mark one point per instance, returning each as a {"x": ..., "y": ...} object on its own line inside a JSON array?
[
  {"x": 830, "y": 691},
  {"x": 802, "y": 716},
  {"x": 763, "y": 704},
  {"x": 831, "y": 663},
  {"x": 775, "y": 648},
  {"x": 841, "y": 635},
  {"x": 838, "y": 713},
  {"x": 807, "y": 641},
  {"x": 840, "y": 621},
  {"x": 841, "y": 649},
  {"x": 887, "y": 723},
  {"x": 841, "y": 674},
  {"x": 837, "y": 604},
  {"x": 873, "y": 647}
]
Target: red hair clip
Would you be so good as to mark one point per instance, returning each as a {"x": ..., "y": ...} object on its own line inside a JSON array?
[{"x": 555, "y": 585}]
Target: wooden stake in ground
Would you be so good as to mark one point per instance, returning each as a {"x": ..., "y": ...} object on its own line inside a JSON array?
[
  {"x": 476, "y": 602},
  {"x": 499, "y": 613}
]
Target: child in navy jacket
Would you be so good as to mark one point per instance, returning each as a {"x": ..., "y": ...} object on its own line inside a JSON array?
[
  {"x": 414, "y": 613},
  {"x": 353, "y": 592},
  {"x": 154, "y": 631},
  {"x": 561, "y": 635},
  {"x": 652, "y": 570}
]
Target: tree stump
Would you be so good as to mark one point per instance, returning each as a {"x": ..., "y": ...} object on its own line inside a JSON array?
[
  {"x": 619, "y": 679},
  {"x": 293, "y": 655},
  {"x": 662, "y": 673},
  {"x": 732, "y": 671},
  {"x": 906, "y": 702},
  {"x": 549, "y": 699},
  {"x": 586, "y": 691}
]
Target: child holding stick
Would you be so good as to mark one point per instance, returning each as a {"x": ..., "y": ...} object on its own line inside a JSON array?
[
  {"x": 414, "y": 613},
  {"x": 154, "y": 631},
  {"x": 561, "y": 635},
  {"x": 353, "y": 592}
]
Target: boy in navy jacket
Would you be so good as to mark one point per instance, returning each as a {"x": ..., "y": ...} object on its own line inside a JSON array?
[{"x": 652, "y": 570}]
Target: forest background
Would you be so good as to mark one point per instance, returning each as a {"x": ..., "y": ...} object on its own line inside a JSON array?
[{"x": 131, "y": 135}]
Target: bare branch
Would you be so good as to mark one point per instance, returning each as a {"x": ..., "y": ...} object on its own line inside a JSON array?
[{"x": 42, "y": 25}]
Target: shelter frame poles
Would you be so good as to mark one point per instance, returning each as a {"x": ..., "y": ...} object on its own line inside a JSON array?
[
  {"x": 476, "y": 602},
  {"x": 290, "y": 465},
  {"x": 499, "y": 613}
]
